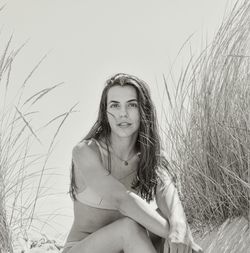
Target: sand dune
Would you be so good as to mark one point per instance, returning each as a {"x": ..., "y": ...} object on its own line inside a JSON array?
[{"x": 231, "y": 237}]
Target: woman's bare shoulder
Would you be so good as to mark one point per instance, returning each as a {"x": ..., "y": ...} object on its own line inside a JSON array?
[{"x": 87, "y": 149}]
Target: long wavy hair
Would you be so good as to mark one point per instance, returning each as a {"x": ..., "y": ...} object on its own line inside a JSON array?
[{"x": 148, "y": 140}]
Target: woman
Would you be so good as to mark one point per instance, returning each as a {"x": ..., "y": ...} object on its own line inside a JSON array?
[{"x": 116, "y": 170}]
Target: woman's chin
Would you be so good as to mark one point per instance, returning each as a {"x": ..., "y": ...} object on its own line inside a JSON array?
[{"x": 125, "y": 134}]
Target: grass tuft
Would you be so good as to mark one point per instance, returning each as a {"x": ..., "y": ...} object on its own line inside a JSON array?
[
  {"x": 209, "y": 125},
  {"x": 22, "y": 171}
]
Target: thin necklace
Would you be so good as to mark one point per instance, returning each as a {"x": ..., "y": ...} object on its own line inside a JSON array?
[{"x": 125, "y": 162}]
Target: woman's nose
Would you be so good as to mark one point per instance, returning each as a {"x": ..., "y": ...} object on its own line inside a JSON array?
[{"x": 123, "y": 112}]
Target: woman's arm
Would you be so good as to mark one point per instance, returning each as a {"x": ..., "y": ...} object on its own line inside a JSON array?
[
  {"x": 104, "y": 184},
  {"x": 170, "y": 207},
  {"x": 167, "y": 198}
]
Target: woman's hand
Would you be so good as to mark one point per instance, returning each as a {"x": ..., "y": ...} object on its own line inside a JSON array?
[{"x": 180, "y": 239}]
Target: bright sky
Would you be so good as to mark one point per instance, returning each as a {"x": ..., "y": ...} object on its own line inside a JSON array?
[{"x": 87, "y": 41}]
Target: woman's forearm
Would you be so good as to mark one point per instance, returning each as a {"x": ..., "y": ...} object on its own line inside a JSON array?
[
  {"x": 169, "y": 203},
  {"x": 139, "y": 210}
]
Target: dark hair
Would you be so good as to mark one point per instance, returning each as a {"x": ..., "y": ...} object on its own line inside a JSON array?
[{"x": 148, "y": 141}]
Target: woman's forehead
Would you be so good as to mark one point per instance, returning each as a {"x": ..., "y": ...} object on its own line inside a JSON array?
[{"x": 122, "y": 93}]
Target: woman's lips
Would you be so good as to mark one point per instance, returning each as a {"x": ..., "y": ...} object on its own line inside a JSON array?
[{"x": 124, "y": 125}]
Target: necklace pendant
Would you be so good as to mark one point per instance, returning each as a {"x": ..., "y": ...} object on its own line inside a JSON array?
[{"x": 125, "y": 163}]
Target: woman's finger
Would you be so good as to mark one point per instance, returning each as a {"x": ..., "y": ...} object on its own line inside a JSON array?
[
  {"x": 184, "y": 248},
  {"x": 180, "y": 248},
  {"x": 173, "y": 248},
  {"x": 166, "y": 248}
]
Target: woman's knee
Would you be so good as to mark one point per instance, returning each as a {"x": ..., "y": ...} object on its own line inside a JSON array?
[{"x": 131, "y": 228}]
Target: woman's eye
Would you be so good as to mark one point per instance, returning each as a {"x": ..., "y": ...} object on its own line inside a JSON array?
[
  {"x": 114, "y": 106},
  {"x": 133, "y": 105}
]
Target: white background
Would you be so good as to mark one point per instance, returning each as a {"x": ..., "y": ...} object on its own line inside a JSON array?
[{"x": 87, "y": 41}]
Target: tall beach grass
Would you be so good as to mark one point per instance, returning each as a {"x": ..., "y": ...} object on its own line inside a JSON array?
[
  {"x": 208, "y": 130},
  {"x": 22, "y": 168}
]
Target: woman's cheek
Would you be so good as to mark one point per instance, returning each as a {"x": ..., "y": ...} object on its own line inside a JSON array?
[{"x": 112, "y": 117}]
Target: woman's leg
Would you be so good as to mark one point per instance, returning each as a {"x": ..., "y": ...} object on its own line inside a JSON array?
[
  {"x": 157, "y": 241},
  {"x": 123, "y": 235}
]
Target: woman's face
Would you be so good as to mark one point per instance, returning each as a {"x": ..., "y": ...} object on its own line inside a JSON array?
[{"x": 122, "y": 110}]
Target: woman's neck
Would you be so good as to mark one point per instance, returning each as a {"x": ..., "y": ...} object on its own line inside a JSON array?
[{"x": 124, "y": 147}]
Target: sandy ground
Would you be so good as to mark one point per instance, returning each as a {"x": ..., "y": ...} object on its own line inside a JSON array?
[{"x": 231, "y": 237}]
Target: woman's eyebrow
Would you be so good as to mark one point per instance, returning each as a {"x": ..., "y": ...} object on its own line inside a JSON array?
[
  {"x": 131, "y": 100},
  {"x": 113, "y": 101}
]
